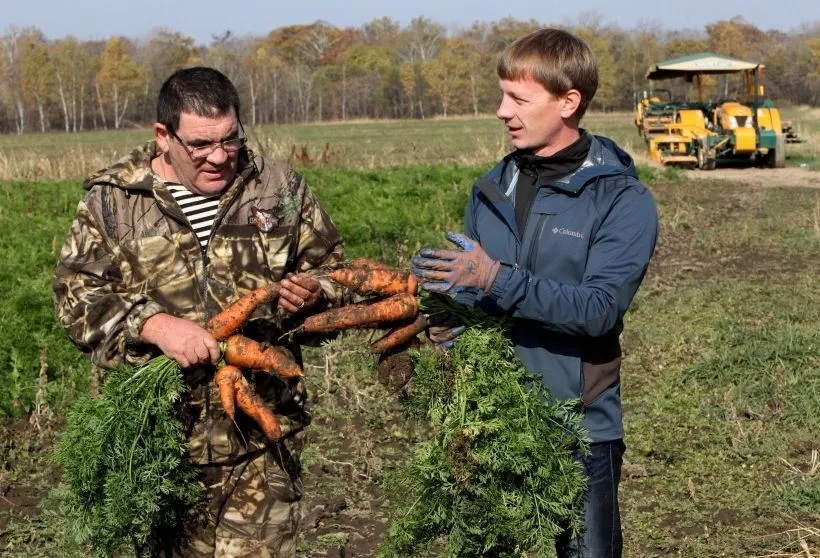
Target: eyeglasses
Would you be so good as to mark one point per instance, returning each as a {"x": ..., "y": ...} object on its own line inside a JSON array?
[{"x": 201, "y": 152}]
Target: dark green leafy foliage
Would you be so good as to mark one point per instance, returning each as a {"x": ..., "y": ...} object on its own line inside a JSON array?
[
  {"x": 499, "y": 477},
  {"x": 124, "y": 462},
  {"x": 34, "y": 219}
]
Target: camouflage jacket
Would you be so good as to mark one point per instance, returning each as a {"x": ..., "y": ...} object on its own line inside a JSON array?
[{"x": 130, "y": 253}]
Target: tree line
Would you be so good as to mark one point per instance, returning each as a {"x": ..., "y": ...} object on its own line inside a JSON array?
[{"x": 319, "y": 72}]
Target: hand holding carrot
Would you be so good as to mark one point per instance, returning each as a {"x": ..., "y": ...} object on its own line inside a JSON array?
[
  {"x": 182, "y": 340},
  {"x": 299, "y": 291}
]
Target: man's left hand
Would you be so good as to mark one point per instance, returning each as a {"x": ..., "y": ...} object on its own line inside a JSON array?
[
  {"x": 442, "y": 271},
  {"x": 298, "y": 292}
]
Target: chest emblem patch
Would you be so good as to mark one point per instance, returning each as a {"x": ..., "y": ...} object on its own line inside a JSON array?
[
  {"x": 264, "y": 219},
  {"x": 567, "y": 232}
]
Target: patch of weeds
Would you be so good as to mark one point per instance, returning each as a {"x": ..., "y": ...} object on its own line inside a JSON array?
[
  {"x": 388, "y": 214},
  {"x": 804, "y": 160},
  {"x": 650, "y": 174},
  {"x": 672, "y": 174},
  {"x": 733, "y": 372}
]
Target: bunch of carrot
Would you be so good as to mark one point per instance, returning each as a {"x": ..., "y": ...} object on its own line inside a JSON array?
[
  {"x": 390, "y": 302},
  {"x": 241, "y": 352}
]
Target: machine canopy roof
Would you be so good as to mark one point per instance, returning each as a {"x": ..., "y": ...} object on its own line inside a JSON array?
[{"x": 703, "y": 63}]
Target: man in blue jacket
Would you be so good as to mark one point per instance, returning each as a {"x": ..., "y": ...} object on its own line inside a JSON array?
[{"x": 558, "y": 235}]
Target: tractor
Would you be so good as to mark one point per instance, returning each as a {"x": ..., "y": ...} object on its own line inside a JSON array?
[{"x": 700, "y": 134}]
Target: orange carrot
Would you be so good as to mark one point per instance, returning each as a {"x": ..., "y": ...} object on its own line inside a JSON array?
[
  {"x": 412, "y": 284},
  {"x": 373, "y": 314},
  {"x": 253, "y": 355},
  {"x": 227, "y": 322},
  {"x": 399, "y": 335},
  {"x": 367, "y": 263},
  {"x": 374, "y": 281},
  {"x": 256, "y": 408},
  {"x": 225, "y": 379}
]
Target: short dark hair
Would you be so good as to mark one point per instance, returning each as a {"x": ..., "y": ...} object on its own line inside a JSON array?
[
  {"x": 201, "y": 91},
  {"x": 556, "y": 59}
]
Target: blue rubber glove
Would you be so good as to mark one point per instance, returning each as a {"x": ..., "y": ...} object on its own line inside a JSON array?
[
  {"x": 445, "y": 271},
  {"x": 444, "y": 333},
  {"x": 443, "y": 337}
]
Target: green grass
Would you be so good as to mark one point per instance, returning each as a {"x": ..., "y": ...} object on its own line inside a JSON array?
[
  {"x": 722, "y": 386},
  {"x": 390, "y": 213},
  {"x": 33, "y": 221}
]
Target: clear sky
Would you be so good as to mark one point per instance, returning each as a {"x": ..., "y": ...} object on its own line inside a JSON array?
[{"x": 201, "y": 19}]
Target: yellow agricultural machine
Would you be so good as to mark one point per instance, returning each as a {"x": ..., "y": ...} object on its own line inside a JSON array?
[{"x": 700, "y": 134}]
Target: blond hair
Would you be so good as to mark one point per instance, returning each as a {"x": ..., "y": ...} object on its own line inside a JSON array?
[{"x": 556, "y": 59}]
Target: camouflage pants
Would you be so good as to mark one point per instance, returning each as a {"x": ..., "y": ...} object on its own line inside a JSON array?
[
  {"x": 253, "y": 510},
  {"x": 253, "y": 488}
]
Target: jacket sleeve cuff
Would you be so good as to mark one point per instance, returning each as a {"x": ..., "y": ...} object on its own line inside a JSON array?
[
  {"x": 467, "y": 297},
  {"x": 500, "y": 285},
  {"x": 135, "y": 321}
]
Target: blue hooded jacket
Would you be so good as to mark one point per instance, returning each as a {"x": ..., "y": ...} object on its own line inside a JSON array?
[{"x": 569, "y": 279}]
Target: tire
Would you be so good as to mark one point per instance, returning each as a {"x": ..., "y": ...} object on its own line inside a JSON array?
[
  {"x": 704, "y": 161},
  {"x": 776, "y": 158},
  {"x": 780, "y": 152}
]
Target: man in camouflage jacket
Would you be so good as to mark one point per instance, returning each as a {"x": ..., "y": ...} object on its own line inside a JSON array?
[{"x": 134, "y": 281}]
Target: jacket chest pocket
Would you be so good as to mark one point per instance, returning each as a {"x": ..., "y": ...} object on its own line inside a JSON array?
[
  {"x": 161, "y": 267},
  {"x": 557, "y": 239},
  {"x": 242, "y": 257}
]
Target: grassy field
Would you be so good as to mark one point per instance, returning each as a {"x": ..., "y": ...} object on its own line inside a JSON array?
[
  {"x": 721, "y": 377},
  {"x": 360, "y": 145}
]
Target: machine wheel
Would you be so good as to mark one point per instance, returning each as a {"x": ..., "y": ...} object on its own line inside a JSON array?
[
  {"x": 705, "y": 162},
  {"x": 776, "y": 158},
  {"x": 780, "y": 152}
]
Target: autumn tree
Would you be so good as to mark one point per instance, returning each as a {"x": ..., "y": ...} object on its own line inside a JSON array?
[
  {"x": 36, "y": 72},
  {"x": 503, "y": 32},
  {"x": 305, "y": 48},
  {"x": 449, "y": 73},
  {"x": 381, "y": 69},
  {"x": 481, "y": 65},
  {"x": 421, "y": 40},
  {"x": 225, "y": 54},
  {"x": 813, "y": 67},
  {"x": 11, "y": 45},
  {"x": 633, "y": 53},
  {"x": 599, "y": 44},
  {"x": 380, "y": 31},
  {"x": 118, "y": 79},
  {"x": 73, "y": 70},
  {"x": 164, "y": 52},
  {"x": 256, "y": 63},
  {"x": 737, "y": 39}
]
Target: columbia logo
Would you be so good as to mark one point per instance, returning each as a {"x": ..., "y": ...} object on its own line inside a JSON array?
[{"x": 567, "y": 232}]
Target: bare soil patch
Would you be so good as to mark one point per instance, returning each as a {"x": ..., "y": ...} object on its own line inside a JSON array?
[{"x": 789, "y": 176}]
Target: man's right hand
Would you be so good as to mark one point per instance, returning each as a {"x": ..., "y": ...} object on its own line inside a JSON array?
[
  {"x": 443, "y": 335},
  {"x": 182, "y": 340}
]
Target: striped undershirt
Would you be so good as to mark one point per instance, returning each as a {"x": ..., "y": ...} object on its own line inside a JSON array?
[{"x": 199, "y": 210}]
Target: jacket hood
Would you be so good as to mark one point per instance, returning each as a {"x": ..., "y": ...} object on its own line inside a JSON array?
[
  {"x": 605, "y": 158},
  {"x": 134, "y": 172}
]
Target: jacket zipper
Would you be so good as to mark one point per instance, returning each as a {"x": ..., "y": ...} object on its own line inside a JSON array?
[
  {"x": 532, "y": 256},
  {"x": 182, "y": 219}
]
